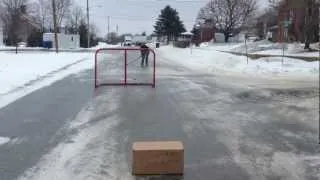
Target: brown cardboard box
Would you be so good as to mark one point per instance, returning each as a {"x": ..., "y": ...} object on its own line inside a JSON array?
[{"x": 158, "y": 158}]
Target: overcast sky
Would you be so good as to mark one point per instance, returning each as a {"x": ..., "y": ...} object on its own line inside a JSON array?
[{"x": 136, "y": 16}]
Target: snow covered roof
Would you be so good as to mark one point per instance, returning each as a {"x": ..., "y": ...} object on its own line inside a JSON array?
[{"x": 187, "y": 33}]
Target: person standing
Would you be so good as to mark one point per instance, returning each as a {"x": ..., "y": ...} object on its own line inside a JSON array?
[{"x": 144, "y": 55}]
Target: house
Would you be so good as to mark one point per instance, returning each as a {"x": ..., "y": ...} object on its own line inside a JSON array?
[
  {"x": 240, "y": 37},
  {"x": 139, "y": 39},
  {"x": 290, "y": 15},
  {"x": 219, "y": 38},
  {"x": 184, "y": 40},
  {"x": 207, "y": 31},
  {"x": 186, "y": 36},
  {"x": 65, "y": 41},
  {"x": 291, "y": 20}
]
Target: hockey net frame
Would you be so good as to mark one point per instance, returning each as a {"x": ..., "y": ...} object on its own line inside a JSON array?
[{"x": 125, "y": 82}]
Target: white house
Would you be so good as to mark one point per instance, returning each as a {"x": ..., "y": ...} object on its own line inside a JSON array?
[
  {"x": 139, "y": 39},
  {"x": 240, "y": 37},
  {"x": 65, "y": 41},
  {"x": 186, "y": 36}
]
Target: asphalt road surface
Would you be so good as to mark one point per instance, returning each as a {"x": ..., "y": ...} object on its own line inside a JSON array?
[{"x": 232, "y": 127}]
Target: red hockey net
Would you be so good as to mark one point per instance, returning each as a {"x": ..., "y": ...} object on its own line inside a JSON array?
[{"x": 122, "y": 67}]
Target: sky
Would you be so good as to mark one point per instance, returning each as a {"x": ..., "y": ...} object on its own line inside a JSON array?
[{"x": 137, "y": 16}]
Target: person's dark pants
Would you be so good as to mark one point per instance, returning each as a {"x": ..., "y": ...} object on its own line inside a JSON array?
[{"x": 144, "y": 58}]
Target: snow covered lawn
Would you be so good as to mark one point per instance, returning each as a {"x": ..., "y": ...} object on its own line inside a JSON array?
[
  {"x": 264, "y": 48},
  {"x": 20, "y": 73},
  {"x": 208, "y": 60},
  {"x": 17, "y": 70}
]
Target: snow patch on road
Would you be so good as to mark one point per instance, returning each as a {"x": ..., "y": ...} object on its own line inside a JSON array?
[
  {"x": 4, "y": 140},
  {"x": 79, "y": 159},
  {"x": 91, "y": 152},
  {"x": 289, "y": 165}
]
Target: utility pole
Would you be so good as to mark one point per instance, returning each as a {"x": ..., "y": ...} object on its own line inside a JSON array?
[
  {"x": 117, "y": 29},
  {"x": 108, "y": 29},
  {"x": 55, "y": 25},
  {"x": 88, "y": 24}
]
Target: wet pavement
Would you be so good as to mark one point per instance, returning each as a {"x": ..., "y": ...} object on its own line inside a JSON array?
[
  {"x": 35, "y": 122},
  {"x": 231, "y": 127}
]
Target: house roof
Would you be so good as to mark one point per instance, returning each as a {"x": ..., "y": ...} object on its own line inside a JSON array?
[{"x": 187, "y": 33}]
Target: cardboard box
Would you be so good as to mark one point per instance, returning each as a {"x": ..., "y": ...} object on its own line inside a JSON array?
[{"x": 158, "y": 158}]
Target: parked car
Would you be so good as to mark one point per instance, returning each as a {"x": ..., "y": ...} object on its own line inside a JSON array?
[{"x": 127, "y": 43}]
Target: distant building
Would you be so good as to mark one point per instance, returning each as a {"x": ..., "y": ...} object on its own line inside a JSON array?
[
  {"x": 207, "y": 31},
  {"x": 65, "y": 41},
  {"x": 186, "y": 36},
  {"x": 240, "y": 37},
  {"x": 291, "y": 20},
  {"x": 139, "y": 39},
  {"x": 219, "y": 38}
]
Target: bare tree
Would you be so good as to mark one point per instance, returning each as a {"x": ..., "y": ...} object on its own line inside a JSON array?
[
  {"x": 274, "y": 4},
  {"x": 75, "y": 18},
  {"x": 203, "y": 14},
  {"x": 311, "y": 22},
  {"x": 229, "y": 15},
  {"x": 62, "y": 10},
  {"x": 11, "y": 17},
  {"x": 55, "y": 26},
  {"x": 45, "y": 13}
]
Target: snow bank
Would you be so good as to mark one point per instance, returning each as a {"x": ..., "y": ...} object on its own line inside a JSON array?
[
  {"x": 105, "y": 45},
  {"x": 208, "y": 60},
  {"x": 17, "y": 70},
  {"x": 266, "y": 48},
  {"x": 21, "y": 74}
]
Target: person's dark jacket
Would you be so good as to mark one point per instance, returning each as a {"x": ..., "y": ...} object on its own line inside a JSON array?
[
  {"x": 144, "y": 49},
  {"x": 143, "y": 46}
]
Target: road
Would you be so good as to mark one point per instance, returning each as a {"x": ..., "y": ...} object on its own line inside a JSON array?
[
  {"x": 232, "y": 127},
  {"x": 35, "y": 122}
]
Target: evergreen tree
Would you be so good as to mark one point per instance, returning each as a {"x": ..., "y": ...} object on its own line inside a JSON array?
[
  {"x": 169, "y": 24},
  {"x": 35, "y": 39},
  {"x": 83, "y": 32},
  {"x": 196, "y": 35}
]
